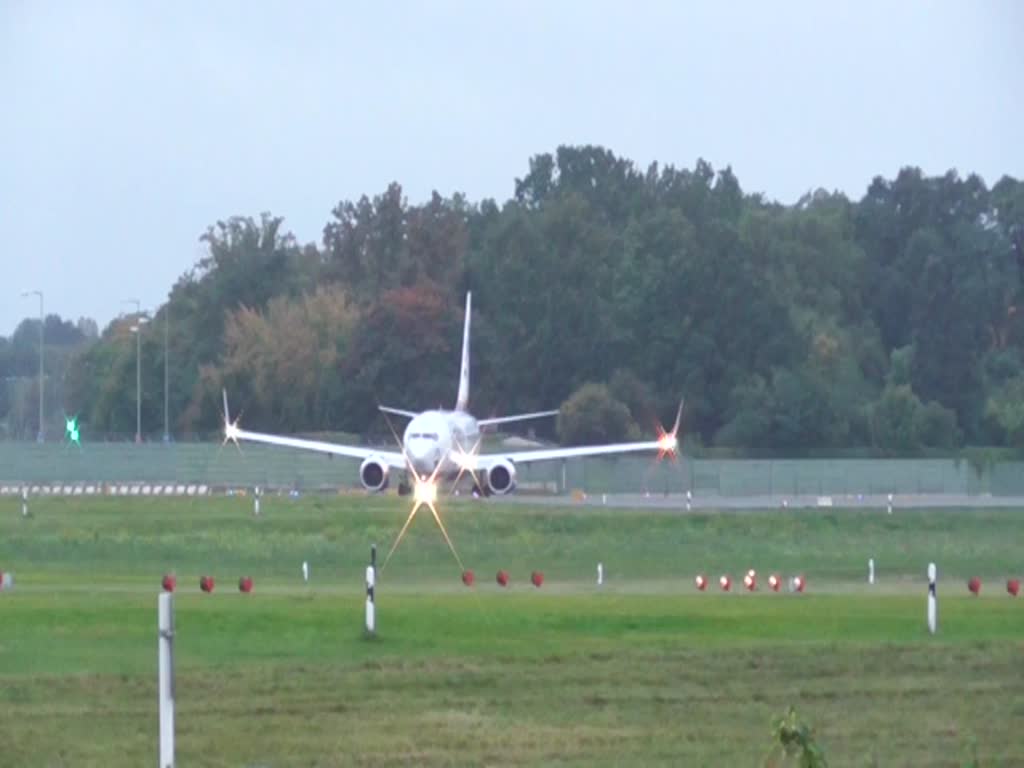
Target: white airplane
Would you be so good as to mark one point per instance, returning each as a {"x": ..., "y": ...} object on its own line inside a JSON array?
[{"x": 442, "y": 444}]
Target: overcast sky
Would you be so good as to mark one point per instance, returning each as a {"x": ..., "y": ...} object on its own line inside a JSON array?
[{"x": 129, "y": 127}]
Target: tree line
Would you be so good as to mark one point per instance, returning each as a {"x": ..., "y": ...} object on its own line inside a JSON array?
[{"x": 888, "y": 325}]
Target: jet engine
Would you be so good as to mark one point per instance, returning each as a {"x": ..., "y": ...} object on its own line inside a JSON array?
[
  {"x": 501, "y": 477},
  {"x": 373, "y": 474}
]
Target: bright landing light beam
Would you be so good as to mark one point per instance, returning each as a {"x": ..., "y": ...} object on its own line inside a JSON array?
[
  {"x": 467, "y": 462},
  {"x": 424, "y": 495},
  {"x": 668, "y": 442}
]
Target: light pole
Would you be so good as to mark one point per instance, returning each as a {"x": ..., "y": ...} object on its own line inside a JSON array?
[
  {"x": 167, "y": 324},
  {"x": 137, "y": 330},
  {"x": 42, "y": 324}
]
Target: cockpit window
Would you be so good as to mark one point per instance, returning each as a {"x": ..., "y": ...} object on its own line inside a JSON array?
[{"x": 424, "y": 435}]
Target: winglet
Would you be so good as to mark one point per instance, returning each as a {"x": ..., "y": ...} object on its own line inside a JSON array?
[
  {"x": 462, "y": 401},
  {"x": 230, "y": 428},
  {"x": 668, "y": 442},
  {"x": 679, "y": 416}
]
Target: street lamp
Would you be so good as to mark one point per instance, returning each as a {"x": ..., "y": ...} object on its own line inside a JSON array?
[
  {"x": 42, "y": 324},
  {"x": 140, "y": 320},
  {"x": 167, "y": 324}
]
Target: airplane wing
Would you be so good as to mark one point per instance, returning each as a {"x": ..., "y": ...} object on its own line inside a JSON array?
[
  {"x": 397, "y": 411},
  {"x": 233, "y": 432},
  {"x": 517, "y": 417},
  {"x": 547, "y": 454},
  {"x": 667, "y": 442}
]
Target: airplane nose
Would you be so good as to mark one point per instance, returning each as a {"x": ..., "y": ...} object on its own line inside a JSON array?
[{"x": 423, "y": 456}]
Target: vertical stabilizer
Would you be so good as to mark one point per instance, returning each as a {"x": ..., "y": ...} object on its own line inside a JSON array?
[{"x": 462, "y": 401}]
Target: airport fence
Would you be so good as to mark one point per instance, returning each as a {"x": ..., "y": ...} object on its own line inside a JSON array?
[{"x": 269, "y": 467}]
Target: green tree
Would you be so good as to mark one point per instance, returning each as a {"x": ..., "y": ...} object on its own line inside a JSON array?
[
  {"x": 936, "y": 426},
  {"x": 1005, "y": 408},
  {"x": 789, "y": 328},
  {"x": 895, "y": 420},
  {"x": 626, "y": 387},
  {"x": 592, "y": 416},
  {"x": 284, "y": 363},
  {"x": 411, "y": 335}
]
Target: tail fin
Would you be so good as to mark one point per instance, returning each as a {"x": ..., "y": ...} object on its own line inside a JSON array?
[{"x": 462, "y": 401}]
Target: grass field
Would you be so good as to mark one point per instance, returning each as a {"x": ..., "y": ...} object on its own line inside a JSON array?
[{"x": 643, "y": 671}]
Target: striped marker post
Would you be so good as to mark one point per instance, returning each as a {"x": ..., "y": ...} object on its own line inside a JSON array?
[
  {"x": 371, "y": 579},
  {"x": 24, "y": 501},
  {"x": 165, "y": 656},
  {"x": 932, "y": 599}
]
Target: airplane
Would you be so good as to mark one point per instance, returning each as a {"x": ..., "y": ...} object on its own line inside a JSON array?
[{"x": 443, "y": 444}]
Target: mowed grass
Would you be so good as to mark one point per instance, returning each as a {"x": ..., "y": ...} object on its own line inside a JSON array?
[{"x": 643, "y": 671}]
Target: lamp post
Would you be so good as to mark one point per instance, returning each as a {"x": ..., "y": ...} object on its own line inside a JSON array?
[
  {"x": 42, "y": 324},
  {"x": 167, "y": 324},
  {"x": 140, "y": 319}
]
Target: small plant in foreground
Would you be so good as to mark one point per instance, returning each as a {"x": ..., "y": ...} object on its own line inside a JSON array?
[{"x": 795, "y": 740}]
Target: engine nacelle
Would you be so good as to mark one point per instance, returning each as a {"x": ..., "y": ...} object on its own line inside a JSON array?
[
  {"x": 501, "y": 477},
  {"x": 373, "y": 474}
]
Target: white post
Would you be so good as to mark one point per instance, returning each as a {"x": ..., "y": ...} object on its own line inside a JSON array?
[
  {"x": 932, "y": 599},
  {"x": 371, "y": 618},
  {"x": 24, "y": 501},
  {"x": 166, "y": 663},
  {"x": 689, "y": 499},
  {"x": 256, "y": 501},
  {"x": 600, "y": 574},
  {"x": 871, "y": 571},
  {"x": 890, "y": 503},
  {"x": 305, "y": 571}
]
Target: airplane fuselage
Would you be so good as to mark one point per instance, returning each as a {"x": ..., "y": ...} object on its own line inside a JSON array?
[{"x": 432, "y": 436}]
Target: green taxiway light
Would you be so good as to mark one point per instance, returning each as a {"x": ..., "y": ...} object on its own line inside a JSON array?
[{"x": 71, "y": 429}]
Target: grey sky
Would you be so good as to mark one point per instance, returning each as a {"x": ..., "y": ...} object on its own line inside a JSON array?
[{"x": 129, "y": 127}]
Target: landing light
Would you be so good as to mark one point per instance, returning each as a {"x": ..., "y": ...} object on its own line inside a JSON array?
[
  {"x": 465, "y": 461},
  {"x": 426, "y": 492}
]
